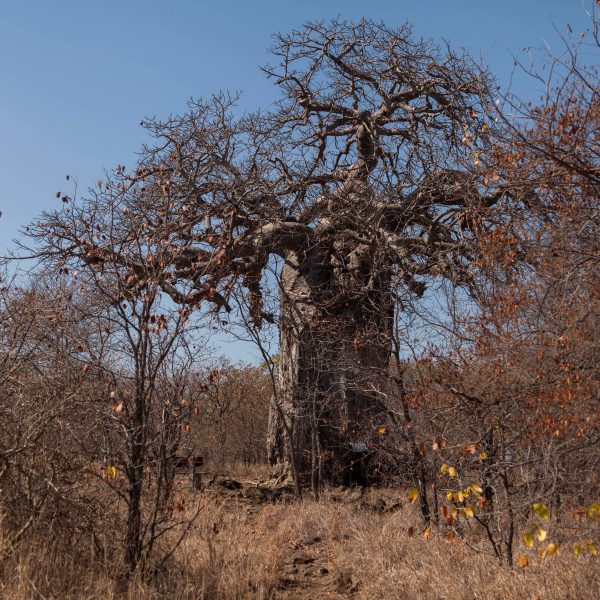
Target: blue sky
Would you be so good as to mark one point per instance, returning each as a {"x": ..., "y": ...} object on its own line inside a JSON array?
[{"x": 79, "y": 75}]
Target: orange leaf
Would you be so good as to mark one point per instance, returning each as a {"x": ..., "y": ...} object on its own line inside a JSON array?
[{"x": 523, "y": 561}]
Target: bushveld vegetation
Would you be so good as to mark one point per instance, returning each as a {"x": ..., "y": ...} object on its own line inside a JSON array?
[{"x": 426, "y": 251}]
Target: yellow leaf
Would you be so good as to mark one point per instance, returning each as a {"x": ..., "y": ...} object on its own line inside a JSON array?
[
  {"x": 111, "y": 472},
  {"x": 468, "y": 512},
  {"x": 589, "y": 546},
  {"x": 459, "y": 497},
  {"x": 528, "y": 539},
  {"x": 381, "y": 430},
  {"x": 552, "y": 549},
  {"x": 452, "y": 471},
  {"x": 542, "y": 552},
  {"x": 577, "y": 549},
  {"x": 413, "y": 494},
  {"x": 426, "y": 533},
  {"x": 541, "y": 534},
  {"x": 541, "y": 510},
  {"x": 444, "y": 468},
  {"x": 523, "y": 561},
  {"x": 476, "y": 489},
  {"x": 449, "y": 496},
  {"x": 483, "y": 455}
]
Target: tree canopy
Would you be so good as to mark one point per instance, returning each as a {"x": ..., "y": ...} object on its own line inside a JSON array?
[{"x": 369, "y": 156}]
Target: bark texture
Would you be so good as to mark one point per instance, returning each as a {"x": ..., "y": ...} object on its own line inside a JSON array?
[{"x": 334, "y": 350}]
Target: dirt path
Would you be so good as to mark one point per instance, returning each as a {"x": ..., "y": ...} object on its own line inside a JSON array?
[
  {"x": 307, "y": 570},
  {"x": 308, "y": 573}
]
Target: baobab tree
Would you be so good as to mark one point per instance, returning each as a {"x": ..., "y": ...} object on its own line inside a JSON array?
[{"x": 356, "y": 188}]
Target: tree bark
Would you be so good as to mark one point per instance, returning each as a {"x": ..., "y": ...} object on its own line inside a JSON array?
[
  {"x": 135, "y": 475},
  {"x": 133, "y": 539},
  {"x": 334, "y": 353}
]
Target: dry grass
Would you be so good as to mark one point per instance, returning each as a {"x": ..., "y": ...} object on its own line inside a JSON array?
[
  {"x": 243, "y": 472},
  {"x": 389, "y": 563},
  {"x": 242, "y": 550}
]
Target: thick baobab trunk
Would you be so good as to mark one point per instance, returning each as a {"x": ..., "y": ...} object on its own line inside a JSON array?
[{"x": 334, "y": 354}]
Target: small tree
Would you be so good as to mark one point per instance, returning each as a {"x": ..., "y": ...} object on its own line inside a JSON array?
[
  {"x": 507, "y": 408},
  {"x": 145, "y": 348}
]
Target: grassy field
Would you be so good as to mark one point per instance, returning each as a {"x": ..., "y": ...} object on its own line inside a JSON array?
[{"x": 348, "y": 545}]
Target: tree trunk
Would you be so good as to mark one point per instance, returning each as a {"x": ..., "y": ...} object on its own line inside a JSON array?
[
  {"x": 133, "y": 540},
  {"x": 334, "y": 354},
  {"x": 135, "y": 476}
]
